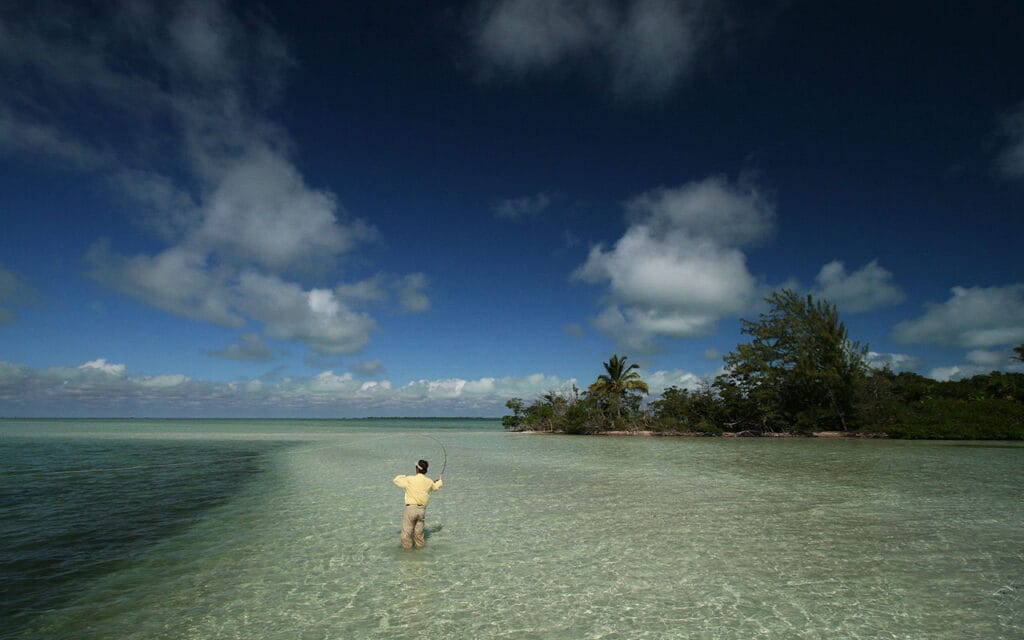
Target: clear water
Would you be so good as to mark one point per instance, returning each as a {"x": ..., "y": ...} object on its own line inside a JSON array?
[{"x": 276, "y": 529}]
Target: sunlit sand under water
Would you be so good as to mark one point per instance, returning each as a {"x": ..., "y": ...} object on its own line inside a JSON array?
[{"x": 551, "y": 537}]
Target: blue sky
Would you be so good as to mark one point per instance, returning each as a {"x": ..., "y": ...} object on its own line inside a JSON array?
[{"x": 404, "y": 208}]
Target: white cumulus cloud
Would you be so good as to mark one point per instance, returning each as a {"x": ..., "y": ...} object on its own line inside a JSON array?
[
  {"x": 870, "y": 287},
  {"x": 101, "y": 365},
  {"x": 641, "y": 49},
  {"x": 973, "y": 318},
  {"x": 1011, "y": 159},
  {"x": 522, "y": 34},
  {"x": 945, "y": 374},
  {"x": 177, "y": 280},
  {"x": 367, "y": 368},
  {"x": 985, "y": 358},
  {"x": 411, "y": 293},
  {"x": 979, "y": 362},
  {"x": 261, "y": 211},
  {"x": 522, "y": 207},
  {"x": 680, "y": 265},
  {"x": 162, "y": 382},
  {"x": 317, "y": 317},
  {"x": 20, "y": 135},
  {"x": 188, "y": 145},
  {"x": 249, "y": 348},
  {"x": 895, "y": 361},
  {"x": 658, "y": 381}
]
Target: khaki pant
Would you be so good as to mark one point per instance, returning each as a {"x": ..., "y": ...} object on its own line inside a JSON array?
[{"x": 413, "y": 519}]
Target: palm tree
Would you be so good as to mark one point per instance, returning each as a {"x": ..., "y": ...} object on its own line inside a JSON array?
[{"x": 618, "y": 382}]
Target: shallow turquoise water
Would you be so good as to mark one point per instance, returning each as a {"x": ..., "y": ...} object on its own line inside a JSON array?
[{"x": 283, "y": 529}]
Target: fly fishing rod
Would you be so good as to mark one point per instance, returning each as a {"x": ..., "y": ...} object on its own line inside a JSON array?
[{"x": 444, "y": 452}]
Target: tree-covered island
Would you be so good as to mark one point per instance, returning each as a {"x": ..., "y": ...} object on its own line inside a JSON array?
[{"x": 799, "y": 374}]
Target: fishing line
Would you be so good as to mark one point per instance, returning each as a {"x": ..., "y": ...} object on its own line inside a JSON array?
[{"x": 444, "y": 452}]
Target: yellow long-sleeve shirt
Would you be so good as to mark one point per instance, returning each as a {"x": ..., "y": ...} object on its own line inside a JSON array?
[{"x": 418, "y": 488}]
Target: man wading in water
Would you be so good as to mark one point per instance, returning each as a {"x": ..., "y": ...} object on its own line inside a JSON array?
[{"x": 417, "y": 495}]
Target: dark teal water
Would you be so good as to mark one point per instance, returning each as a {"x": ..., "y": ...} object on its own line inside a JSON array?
[{"x": 73, "y": 510}]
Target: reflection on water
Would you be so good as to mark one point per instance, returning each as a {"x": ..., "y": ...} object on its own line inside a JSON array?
[{"x": 532, "y": 536}]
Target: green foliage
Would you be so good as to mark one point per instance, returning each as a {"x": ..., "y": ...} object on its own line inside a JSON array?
[
  {"x": 880, "y": 401},
  {"x": 546, "y": 413},
  {"x": 553, "y": 412},
  {"x": 958, "y": 419},
  {"x": 612, "y": 402},
  {"x": 618, "y": 390},
  {"x": 996, "y": 386},
  {"x": 912, "y": 406},
  {"x": 912, "y": 387},
  {"x": 682, "y": 411},
  {"x": 579, "y": 417},
  {"x": 799, "y": 372},
  {"x": 514, "y": 421}
]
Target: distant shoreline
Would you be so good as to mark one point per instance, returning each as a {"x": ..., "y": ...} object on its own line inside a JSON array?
[{"x": 725, "y": 434}]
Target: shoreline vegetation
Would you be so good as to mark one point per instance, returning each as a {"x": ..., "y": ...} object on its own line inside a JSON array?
[
  {"x": 799, "y": 375},
  {"x": 724, "y": 434}
]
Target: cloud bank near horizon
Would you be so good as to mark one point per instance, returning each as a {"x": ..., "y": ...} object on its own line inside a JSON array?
[
  {"x": 100, "y": 388},
  {"x": 106, "y": 389}
]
